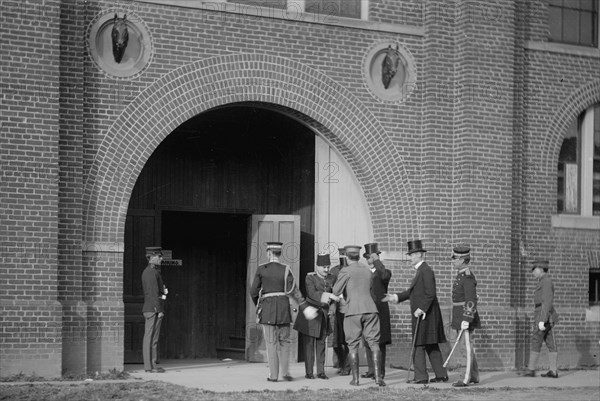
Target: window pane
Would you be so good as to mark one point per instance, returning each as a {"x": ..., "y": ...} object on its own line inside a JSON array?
[
  {"x": 261, "y": 3},
  {"x": 596, "y": 167},
  {"x": 570, "y": 26},
  {"x": 568, "y": 174},
  {"x": 350, "y": 8},
  {"x": 342, "y": 8},
  {"x": 594, "y": 288},
  {"x": 588, "y": 4},
  {"x": 586, "y": 37},
  {"x": 555, "y": 20}
]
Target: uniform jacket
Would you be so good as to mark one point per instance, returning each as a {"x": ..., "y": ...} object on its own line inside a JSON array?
[
  {"x": 422, "y": 294},
  {"x": 315, "y": 287},
  {"x": 464, "y": 292},
  {"x": 544, "y": 301},
  {"x": 152, "y": 285},
  {"x": 270, "y": 278},
  {"x": 356, "y": 280},
  {"x": 342, "y": 305},
  {"x": 379, "y": 287}
]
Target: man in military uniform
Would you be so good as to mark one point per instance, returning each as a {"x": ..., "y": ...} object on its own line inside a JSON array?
[
  {"x": 153, "y": 310},
  {"x": 340, "y": 346},
  {"x": 425, "y": 310},
  {"x": 544, "y": 317},
  {"x": 272, "y": 285},
  {"x": 318, "y": 294},
  {"x": 379, "y": 287},
  {"x": 361, "y": 319},
  {"x": 465, "y": 316}
]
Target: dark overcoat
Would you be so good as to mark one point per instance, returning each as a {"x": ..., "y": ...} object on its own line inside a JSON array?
[
  {"x": 379, "y": 287},
  {"x": 355, "y": 279},
  {"x": 270, "y": 277},
  {"x": 152, "y": 285},
  {"x": 315, "y": 287},
  {"x": 422, "y": 295}
]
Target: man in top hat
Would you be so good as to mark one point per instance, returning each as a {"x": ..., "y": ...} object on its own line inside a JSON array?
[
  {"x": 273, "y": 284},
  {"x": 544, "y": 317},
  {"x": 318, "y": 294},
  {"x": 427, "y": 323},
  {"x": 340, "y": 346},
  {"x": 465, "y": 316},
  {"x": 379, "y": 287},
  {"x": 361, "y": 319},
  {"x": 153, "y": 310}
]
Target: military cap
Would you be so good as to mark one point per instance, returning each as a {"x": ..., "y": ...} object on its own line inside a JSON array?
[
  {"x": 541, "y": 263},
  {"x": 354, "y": 249},
  {"x": 461, "y": 251},
  {"x": 274, "y": 246},
  {"x": 153, "y": 250}
]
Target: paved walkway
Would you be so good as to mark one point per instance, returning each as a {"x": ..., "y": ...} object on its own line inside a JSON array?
[{"x": 223, "y": 376}]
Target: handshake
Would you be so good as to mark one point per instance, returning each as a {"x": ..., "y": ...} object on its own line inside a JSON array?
[{"x": 328, "y": 297}]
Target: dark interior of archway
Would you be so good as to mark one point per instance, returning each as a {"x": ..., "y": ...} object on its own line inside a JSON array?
[{"x": 201, "y": 184}]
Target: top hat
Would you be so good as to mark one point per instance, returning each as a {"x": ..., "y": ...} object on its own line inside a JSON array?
[
  {"x": 354, "y": 249},
  {"x": 323, "y": 259},
  {"x": 461, "y": 251},
  {"x": 274, "y": 246},
  {"x": 541, "y": 263},
  {"x": 371, "y": 248},
  {"x": 415, "y": 246},
  {"x": 153, "y": 250}
]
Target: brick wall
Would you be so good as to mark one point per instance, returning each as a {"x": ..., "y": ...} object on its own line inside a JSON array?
[{"x": 30, "y": 312}]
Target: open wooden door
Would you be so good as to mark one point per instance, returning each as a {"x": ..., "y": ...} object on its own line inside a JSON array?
[{"x": 265, "y": 228}]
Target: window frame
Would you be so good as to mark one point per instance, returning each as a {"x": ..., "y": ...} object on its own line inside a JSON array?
[
  {"x": 300, "y": 5},
  {"x": 566, "y": 5}
]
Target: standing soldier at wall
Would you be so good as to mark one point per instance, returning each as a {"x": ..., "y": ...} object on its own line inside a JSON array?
[
  {"x": 153, "y": 310},
  {"x": 272, "y": 285},
  {"x": 465, "y": 317},
  {"x": 427, "y": 323},
  {"x": 361, "y": 320},
  {"x": 319, "y": 285},
  {"x": 379, "y": 287},
  {"x": 340, "y": 346},
  {"x": 544, "y": 317}
]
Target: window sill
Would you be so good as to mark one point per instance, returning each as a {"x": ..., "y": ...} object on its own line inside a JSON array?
[
  {"x": 292, "y": 15},
  {"x": 563, "y": 48},
  {"x": 577, "y": 222},
  {"x": 592, "y": 314}
]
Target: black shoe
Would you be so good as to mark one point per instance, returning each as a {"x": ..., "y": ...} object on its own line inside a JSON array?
[
  {"x": 156, "y": 370},
  {"x": 271, "y": 380},
  {"x": 459, "y": 384},
  {"x": 439, "y": 379},
  {"x": 309, "y": 376},
  {"x": 424, "y": 381},
  {"x": 528, "y": 373},
  {"x": 288, "y": 378},
  {"x": 345, "y": 372},
  {"x": 550, "y": 374},
  {"x": 473, "y": 381},
  {"x": 368, "y": 375},
  {"x": 322, "y": 376}
]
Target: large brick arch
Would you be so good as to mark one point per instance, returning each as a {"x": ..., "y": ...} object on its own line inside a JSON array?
[
  {"x": 584, "y": 97},
  {"x": 285, "y": 84}
]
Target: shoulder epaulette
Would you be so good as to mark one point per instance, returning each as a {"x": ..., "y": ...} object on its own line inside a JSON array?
[{"x": 311, "y": 274}]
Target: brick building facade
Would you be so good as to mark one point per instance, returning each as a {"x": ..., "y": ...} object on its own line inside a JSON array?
[{"x": 468, "y": 154}]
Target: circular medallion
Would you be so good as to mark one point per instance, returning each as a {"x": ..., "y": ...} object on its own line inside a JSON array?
[
  {"x": 119, "y": 43},
  {"x": 390, "y": 72}
]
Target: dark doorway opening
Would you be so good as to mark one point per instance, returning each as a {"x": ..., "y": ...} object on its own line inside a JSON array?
[{"x": 205, "y": 310}]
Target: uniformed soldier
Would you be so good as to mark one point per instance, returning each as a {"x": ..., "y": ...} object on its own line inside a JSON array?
[
  {"x": 544, "y": 317},
  {"x": 153, "y": 310},
  {"x": 272, "y": 285},
  {"x": 465, "y": 317},
  {"x": 319, "y": 285},
  {"x": 425, "y": 310},
  {"x": 379, "y": 287},
  {"x": 361, "y": 319},
  {"x": 340, "y": 346}
]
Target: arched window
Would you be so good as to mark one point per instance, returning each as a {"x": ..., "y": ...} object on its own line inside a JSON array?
[{"x": 579, "y": 166}]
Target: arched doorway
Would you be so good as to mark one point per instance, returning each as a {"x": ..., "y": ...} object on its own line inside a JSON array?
[{"x": 196, "y": 196}]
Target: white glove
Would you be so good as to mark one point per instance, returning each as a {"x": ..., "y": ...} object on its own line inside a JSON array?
[
  {"x": 419, "y": 312},
  {"x": 166, "y": 291},
  {"x": 541, "y": 326},
  {"x": 334, "y": 297},
  {"x": 163, "y": 297},
  {"x": 326, "y": 296},
  {"x": 464, "y": 325},
  {"x": 390, "y": 298},
  {"x": 310, "y": 312}
]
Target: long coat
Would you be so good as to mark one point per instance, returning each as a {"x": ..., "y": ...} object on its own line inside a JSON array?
[
  {"x": 315, "y": 287},
  {"x": 152, "y": 285},
  {"x": 543, "y": 298},
  {"x": 275, "y": 310},
  {"x": 422, "y": 295},
  {"x": 379, "y": 287}
]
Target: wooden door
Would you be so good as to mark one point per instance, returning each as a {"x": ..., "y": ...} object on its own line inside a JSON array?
[
  {"x": 263, "y": 229},
  {"x": 142, "y": 229}
]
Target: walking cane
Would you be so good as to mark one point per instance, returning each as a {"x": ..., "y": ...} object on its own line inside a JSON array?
[
  {"x": 412, "y": 352},
  {"x": 453, "y": 348}
]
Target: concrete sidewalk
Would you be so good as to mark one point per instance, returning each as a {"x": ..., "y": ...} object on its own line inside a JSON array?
[{"x": 224, "y": 376}]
